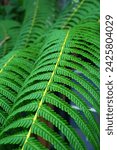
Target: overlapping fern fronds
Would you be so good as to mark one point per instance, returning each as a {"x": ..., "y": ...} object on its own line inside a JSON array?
[
  {"x": 17, "y": 65},
  {"x": 47, "y": 72}
]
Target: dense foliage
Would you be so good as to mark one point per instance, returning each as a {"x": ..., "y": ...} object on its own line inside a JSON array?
[{"x": 48, "y": 61}]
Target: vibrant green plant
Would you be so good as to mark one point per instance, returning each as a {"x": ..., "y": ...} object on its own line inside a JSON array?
[{"x": 39, "y": 74}]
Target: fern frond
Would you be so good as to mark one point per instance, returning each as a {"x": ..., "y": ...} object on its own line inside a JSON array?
[
  {"x": 39, "y": 17},
  {"x": 36, "y": 21},
  {"x": 83, "y": 10},
  {"x": 20, "y": 62},
  {"x": 55, "y": 72},
  {"x": 48, "y": 69}
]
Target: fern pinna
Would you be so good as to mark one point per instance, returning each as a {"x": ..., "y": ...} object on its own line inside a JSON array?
[{"x": 55, "y": 62}]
